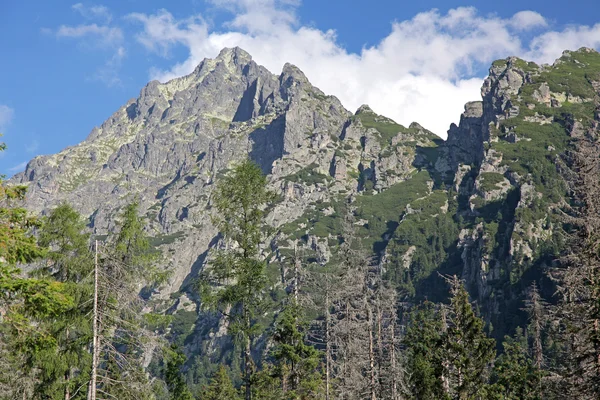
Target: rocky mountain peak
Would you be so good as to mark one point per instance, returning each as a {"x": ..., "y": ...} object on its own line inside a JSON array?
[
  {"x": 235, "y": 55},
  {"x": 364, "y": 109}
]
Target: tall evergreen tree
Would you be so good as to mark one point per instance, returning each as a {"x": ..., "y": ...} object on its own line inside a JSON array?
[
  {"x": 296, "y": 362},
  {"x": 423, "y": 342},
  {"x": 220, "y": 387},
  {"x": 468, "y": 352},
  {"x": 236, "y": 281},
  {"x": 174, "y": 379},
  {"x": 24, "y": 302},
  {"x": 515, "y": 372},
  {"x": 69, "y": 258},
  {"x": 64, "y": 369}
]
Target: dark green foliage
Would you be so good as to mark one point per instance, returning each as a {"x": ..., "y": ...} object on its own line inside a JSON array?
[
  {"x": 236, "y": 282},
  {"x": 515, "y": 374},
  {"x": 423, "y": 342},
  {"x": 384, "y": 210},
  {"x": 490, "y": 180},
  {"x": 429, "y": 236},
  {"x": 26, "y": 303},
  {"x": 69, "y": 255},
  {"x": 309, "y": 175},
  {"x": 182, "y": 325},
  {"x": 449, "y": 355},
  {"x": 466, "y": 346},
  {"x": 295, "y": 363},
  {"x": 165, "y": 239},
  {"x": 174, "y": 379},
  {"x": 220, "y": 387}
]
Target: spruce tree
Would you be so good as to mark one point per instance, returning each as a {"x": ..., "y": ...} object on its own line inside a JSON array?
[
  {"x": 64, "y": 368},
  {"x": 174, "y": 379},
  {"x": 468, "y": 352},
  {"x": 423, "y": 342},
  {"x": 235, "y": 282},
  {"x": 63, "y": 233},
  {"x": 220, "y": 387},
  {"x": 296, "y": 363},
  {"x": 515, "y": 372},
  {"x": 24, "y": 302}
]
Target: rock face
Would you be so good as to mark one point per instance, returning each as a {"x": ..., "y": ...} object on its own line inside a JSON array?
[
  {"x": 479, "y": 204},
  {"x": 169, "y": 146}
]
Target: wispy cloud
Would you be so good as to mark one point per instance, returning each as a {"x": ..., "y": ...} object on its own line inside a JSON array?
[
  {"x": 424, "y": 70},
  {"x": 102, "y": 35},
  {"x": 18, "y": 168},
  {"x": 105, "y": 35},
  {"x": 93, "y": 12},
  {"x": 109, "y": 72},
  {"x": 6, "y": 116}
]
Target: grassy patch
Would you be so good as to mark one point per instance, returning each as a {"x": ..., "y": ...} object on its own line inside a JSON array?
[
  {"x": 166, "y": 239},
  {"x": 490, "y": 180},
  {"x": 308, "y": 175}
]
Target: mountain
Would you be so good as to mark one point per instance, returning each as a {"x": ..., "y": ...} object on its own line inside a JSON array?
[{"x": 483, "y": 204}]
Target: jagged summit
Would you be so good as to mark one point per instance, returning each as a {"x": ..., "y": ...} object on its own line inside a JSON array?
[
  {"x": 235, "y": 54},
  {"x": 364, "y": 109}
]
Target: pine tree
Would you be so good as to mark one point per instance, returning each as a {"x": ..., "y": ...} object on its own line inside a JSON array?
[{"x": 236, "y": 281}]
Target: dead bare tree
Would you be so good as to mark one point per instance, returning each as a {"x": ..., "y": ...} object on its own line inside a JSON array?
[{"x": 577, "y": 316}]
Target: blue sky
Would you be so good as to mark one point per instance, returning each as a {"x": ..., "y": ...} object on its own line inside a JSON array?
[{"x": 67, "y": 66}]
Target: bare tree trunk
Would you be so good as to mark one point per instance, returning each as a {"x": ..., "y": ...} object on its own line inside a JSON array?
[
  {"x": 296, "y": 273},
  {"x": 371, "y": 355},
  {"x": 445, "y": 362},
  {"x": 393, "y": 371},
  {"x": 327, "y": 341},
  {"x": 247, "y": 360},
  {"x": 95, "y": 344},
  {"x": 294, "y": 373}
]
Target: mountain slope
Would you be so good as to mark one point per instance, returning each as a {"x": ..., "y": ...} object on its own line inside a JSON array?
[{"x": 480, "y": 204}]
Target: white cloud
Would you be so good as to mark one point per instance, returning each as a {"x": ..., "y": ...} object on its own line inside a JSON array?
[
  {"x": 93, "y": 12},
  {"x": 524, "y": 20},
  {"x": 548, "y": 46},
  {"x": 424, "y": 70},
  {"x": 6, "y": 116},
  {"x": 18, "y": 168},
  {"x": 105, "y": 35}
]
